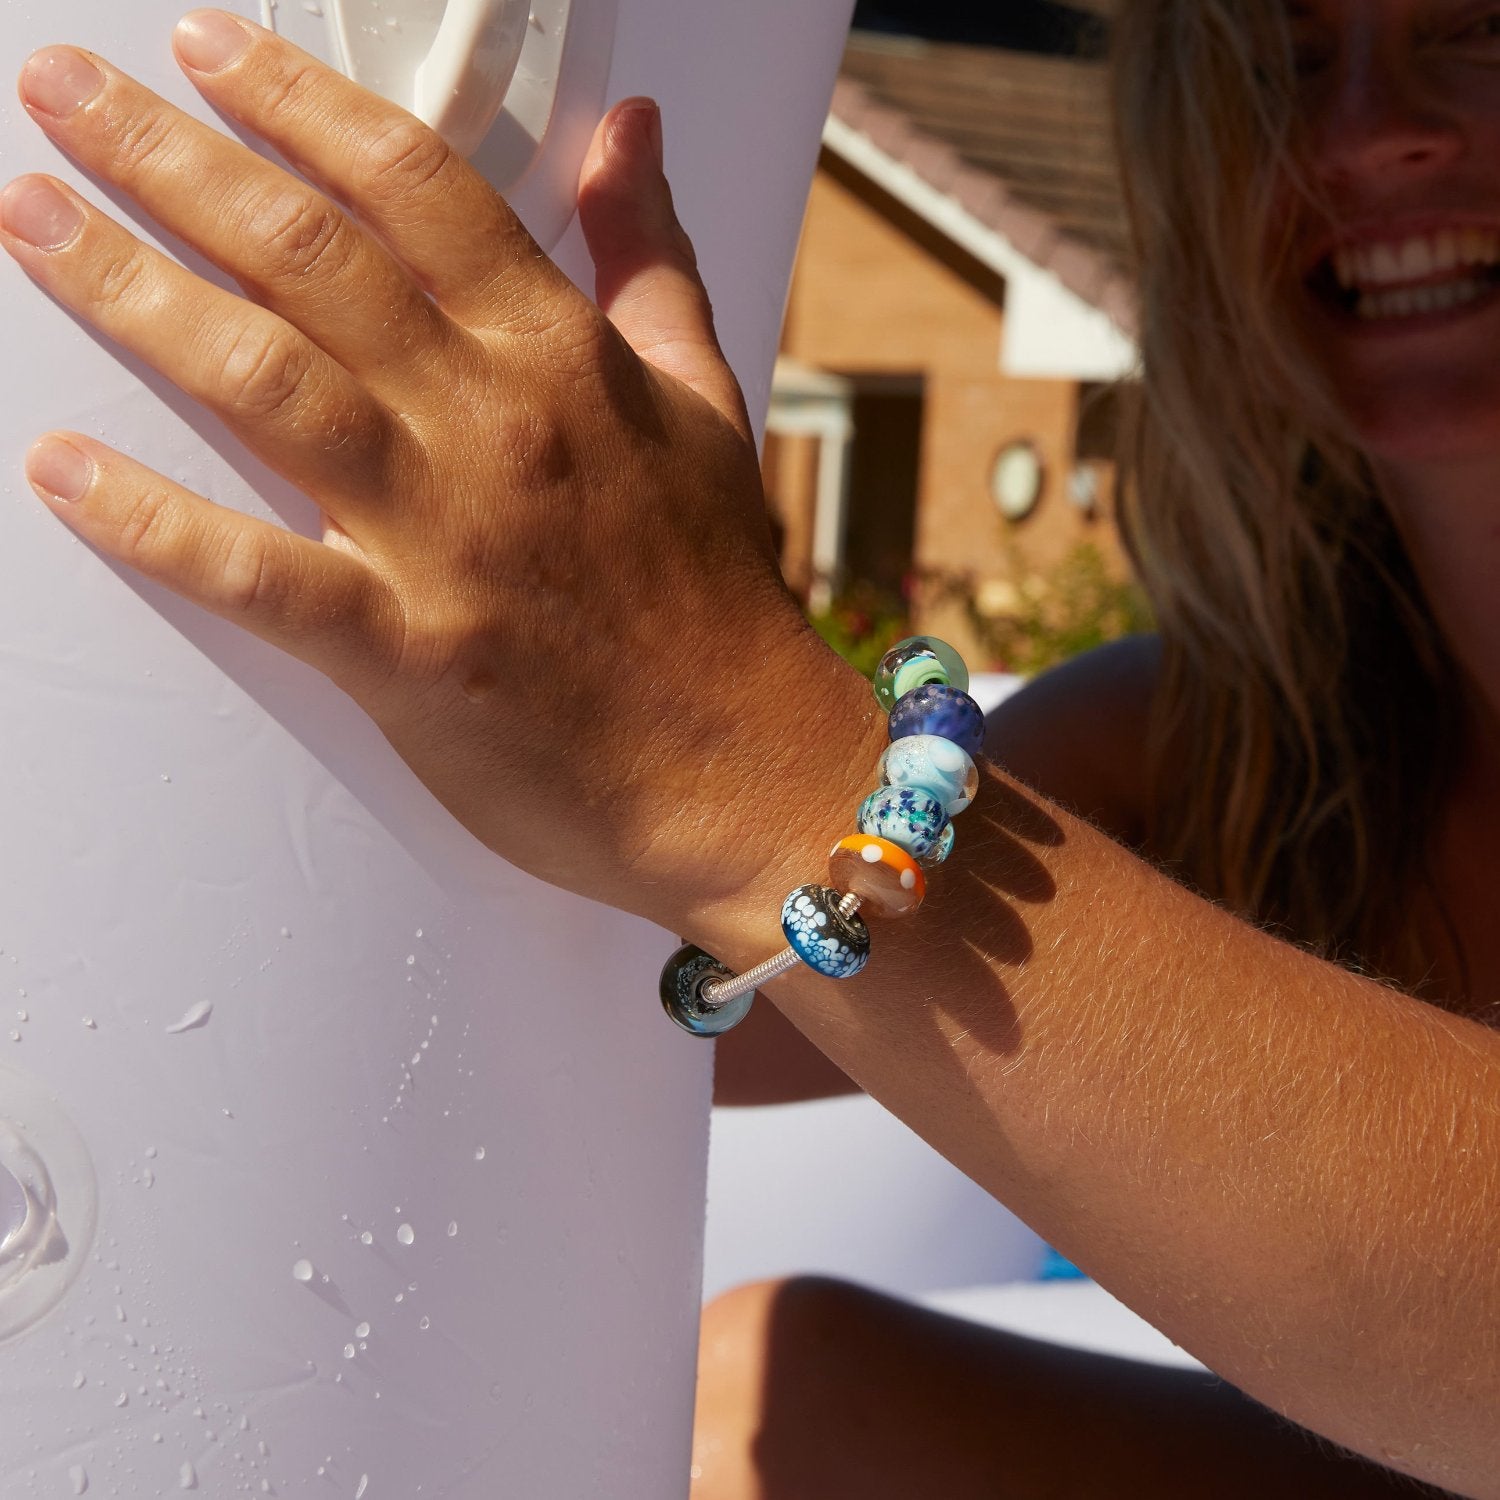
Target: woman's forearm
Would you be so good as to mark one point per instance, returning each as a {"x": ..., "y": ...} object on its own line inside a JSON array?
[{"x": 1291, "y": 1170}]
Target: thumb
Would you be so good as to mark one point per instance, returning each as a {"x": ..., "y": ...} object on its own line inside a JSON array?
[{"x": 647, "y": 280}]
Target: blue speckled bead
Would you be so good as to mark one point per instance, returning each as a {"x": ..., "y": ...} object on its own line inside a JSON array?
[
  {"x": 912, "y": 663},
  {"x": 834, "y": 945},
  {"x": 943, "y": 711},
  {"x": 939, "y": 851},
  {"x": 908, "y": 816},
  {"x": 934, "y": 764}
]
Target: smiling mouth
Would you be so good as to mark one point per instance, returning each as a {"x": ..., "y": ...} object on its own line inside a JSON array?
[{"x": 1412, "y": 277}]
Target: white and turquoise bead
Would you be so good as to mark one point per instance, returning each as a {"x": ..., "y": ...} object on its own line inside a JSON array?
[
  {"x": 935, "y": 765},
  {"x": 826, "y": 940},
  {"x": 908, "y": 816},
  {"x": 913, "y": 663}
]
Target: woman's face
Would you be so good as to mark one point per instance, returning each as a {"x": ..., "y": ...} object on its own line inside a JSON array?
[{"x": 1397, "y": 284}]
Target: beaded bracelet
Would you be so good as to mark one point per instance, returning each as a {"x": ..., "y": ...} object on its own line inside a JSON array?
[{"x": 927, "y": 777}]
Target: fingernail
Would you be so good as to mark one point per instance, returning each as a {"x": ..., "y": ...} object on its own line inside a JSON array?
[
  {"x": 33, "y": 210},
  {"x": 208, "y": 40},
  {"x": 59, "y": 469},
  {"x": 60, "y": 80},
  {"x": 646, "y": 117}
]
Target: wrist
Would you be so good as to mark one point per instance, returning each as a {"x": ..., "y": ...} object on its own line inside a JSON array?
[{"x": 810, "y": 741}]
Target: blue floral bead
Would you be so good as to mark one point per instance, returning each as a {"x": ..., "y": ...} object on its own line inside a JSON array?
[
  {"x": 907, "y": 816},
  {"x": 943, "y": 711},
  {"x": 822, "y": 937},
  {"x": 911, "y": 663},
  {"x": 934, "y": 764}
]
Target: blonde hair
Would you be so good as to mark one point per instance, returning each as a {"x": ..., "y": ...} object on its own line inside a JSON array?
[{"x": 1303, "y": 672}]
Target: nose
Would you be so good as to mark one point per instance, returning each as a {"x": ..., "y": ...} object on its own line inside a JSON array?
[{"x": 1377, "y": 118}]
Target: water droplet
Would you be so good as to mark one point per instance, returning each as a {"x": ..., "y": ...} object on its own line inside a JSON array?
[
  {"x": 303, "y": 1271},
  {"x": 453, "y": 1229},
  {"x": 187, "y": 1477},
  {"x": 348, "y": 1351},
  {"x": 362, "y": 1331},
  {"x": 196, "y": 1016},
  {"x": 479, "y": 1153},
  {"x": 79, "y": 1381},
  {"x": 148, "y": 1177},
  {"x": 150, "y": 1153},
  {"x": 80, "y": 1479},
  {"x": 92, "y": 1025},
  {"x": 15, "y": 1036},
  {"x": 361, "y": 1487},
  {"x": 406, "y": 1234},
  {"x": 367, "y": 1238},
  {"x": 424, "y": 1324},
  {"x": 22, "y": 1015}
]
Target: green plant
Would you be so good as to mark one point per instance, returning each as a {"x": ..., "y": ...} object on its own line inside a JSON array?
[
  {"x": 862, "y": 623},
  {"x": 1035, "y": 619}
]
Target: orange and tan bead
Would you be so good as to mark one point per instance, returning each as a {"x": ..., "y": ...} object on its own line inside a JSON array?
[{"x": 887, "y": 880}]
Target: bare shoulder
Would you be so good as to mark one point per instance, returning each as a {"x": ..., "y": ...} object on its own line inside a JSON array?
[{"x": 1077, "y": 734}]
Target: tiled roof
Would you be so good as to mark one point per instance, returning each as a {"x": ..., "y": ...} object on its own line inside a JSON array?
[{"x": 1021, "y": 141}]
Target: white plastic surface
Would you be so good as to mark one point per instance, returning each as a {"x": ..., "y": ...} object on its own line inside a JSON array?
[
  {"x": 515, "y": 84},
  {"x": 282, "y": 1005}
]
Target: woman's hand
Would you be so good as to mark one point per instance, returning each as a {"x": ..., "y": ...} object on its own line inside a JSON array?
[{"x": 546, "y": 570}]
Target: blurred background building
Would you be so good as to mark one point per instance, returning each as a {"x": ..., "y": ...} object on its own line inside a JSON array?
[{"x": 939, "y": 449}]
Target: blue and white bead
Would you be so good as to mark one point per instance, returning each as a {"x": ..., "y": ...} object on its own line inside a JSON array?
[
  {"x": 908, "y": 816},
  {"x": 821, "y": 936},
  {"x": 943, "y": 711},
  {"x": 935, "y": 765}
]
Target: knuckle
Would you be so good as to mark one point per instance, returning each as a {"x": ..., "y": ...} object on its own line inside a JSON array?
[
  {"x": 249, "y": 580},
  {"x": 138, "y": 143},
  {"x": 118, "y": 276},
  {"x": 284, "y": 95},
  {"x": 142, "y": 526},
  {"x": 264, "y": 372},
  {"x": 403, "y": 159},
  {"x": 302, "y": 233}
]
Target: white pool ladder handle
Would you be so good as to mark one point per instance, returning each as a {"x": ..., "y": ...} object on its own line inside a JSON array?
[{"x": 460, "y": 86}]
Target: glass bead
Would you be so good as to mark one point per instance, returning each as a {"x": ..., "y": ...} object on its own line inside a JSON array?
[
  {"x": 825, "y": 940},
  {"x": 911, "y": 663},
  {"x": 934, "y": 764},
  {"x": 943, "y": 711},
  {"x": 905, "y": 815},
  {"x": 887, "y": 880},
  {"x": 939, "y": 851},
  {"x": 687, "y": 970}
]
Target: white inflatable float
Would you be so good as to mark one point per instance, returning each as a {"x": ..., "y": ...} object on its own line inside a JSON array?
[{"x": 336, "y": 1157}]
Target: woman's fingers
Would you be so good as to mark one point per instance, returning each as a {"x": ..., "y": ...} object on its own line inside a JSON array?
[
  {"x": 290, "y": 247},
  {"x": 647, "y": 278},
  {"x": 442, "y": 220},
  {"x": 293, "y": 405},
  {"x": 321, "y": 604}
]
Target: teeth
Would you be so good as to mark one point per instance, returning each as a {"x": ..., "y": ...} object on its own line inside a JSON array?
[
  {"x": 1407, "y": 302},
  {"x": 1392, "y": 262}
]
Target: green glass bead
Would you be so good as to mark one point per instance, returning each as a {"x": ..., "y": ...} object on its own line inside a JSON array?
[{"x": 915, "y": 662}]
